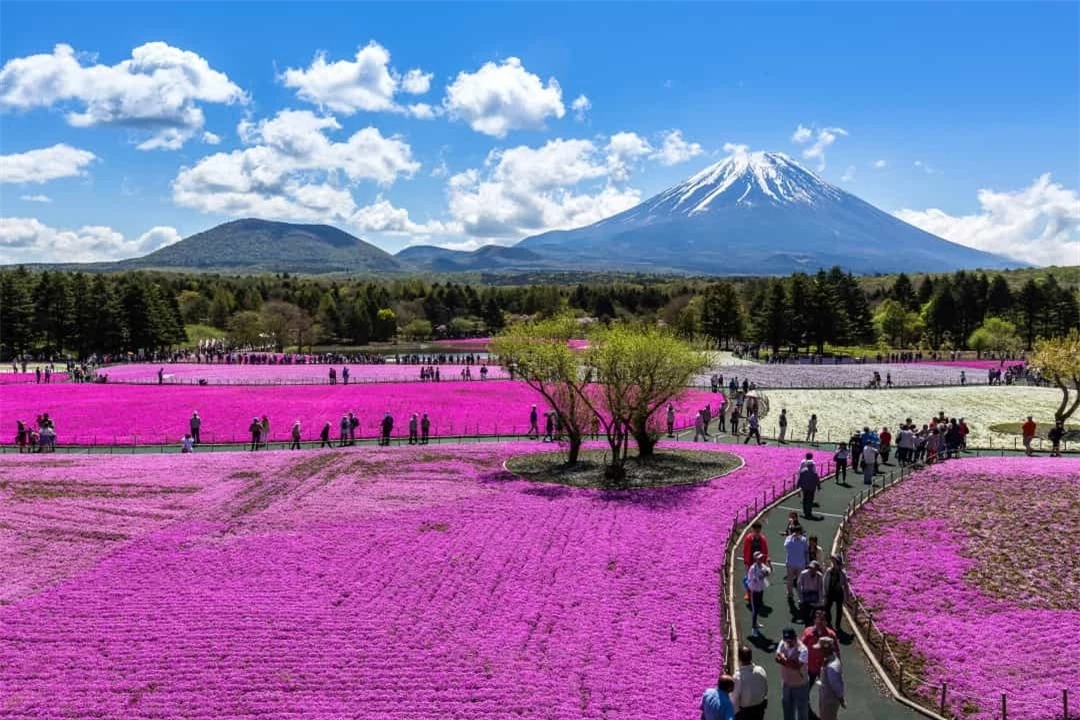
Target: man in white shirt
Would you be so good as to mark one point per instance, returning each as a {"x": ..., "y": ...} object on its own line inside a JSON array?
[
  {"x": 831, "y": 696},
  {"x": 869, "y": 460},
  {"x": 751, "y": 694},
  {"x": 792, "y": 657},
  {"x": 796, "y": 546}
]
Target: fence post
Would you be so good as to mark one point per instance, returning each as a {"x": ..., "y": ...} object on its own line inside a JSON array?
[
  {"x": 944, "y": 688},
  {"x": 1003, "y": 712},
  {"x": 900, "y": 671},
  {"x": 1065, "y": 703}
]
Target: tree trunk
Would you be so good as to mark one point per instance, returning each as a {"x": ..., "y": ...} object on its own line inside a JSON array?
[
  {"x": 646, "y": 442},
  {"x": 575, "y": 439}
]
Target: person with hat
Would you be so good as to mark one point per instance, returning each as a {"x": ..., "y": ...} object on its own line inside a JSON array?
[
  {"x": 195, "y": 425},
  {"x": 814, "y": 659},
  {"x": 792, "y": 656},
  {"x": 716, "y": 702},
  {"x": 757, "y": 580},
  {"x": 751, "y": 694},
  {"x": 831, "y": 694}
]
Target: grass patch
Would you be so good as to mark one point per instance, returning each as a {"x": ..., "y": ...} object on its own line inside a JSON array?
[
  {"x": 1072, "y": 431},
  {"x": 667, "y": 467}
]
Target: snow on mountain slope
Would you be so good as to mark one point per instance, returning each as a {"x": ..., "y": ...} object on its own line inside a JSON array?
[{"x": 757, "y": 212}]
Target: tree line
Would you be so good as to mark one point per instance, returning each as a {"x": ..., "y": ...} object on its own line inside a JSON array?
[{"x": 56, "y": 312}]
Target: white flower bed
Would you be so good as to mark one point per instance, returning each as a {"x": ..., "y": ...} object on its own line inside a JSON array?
[{"x": 842, "y": 411}]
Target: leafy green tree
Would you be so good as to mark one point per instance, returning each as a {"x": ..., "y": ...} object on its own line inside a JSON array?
[
  {"x": 17, "y": 313},
  {"x": 903, "y": 292},
  {"x": 245, "y": 329},
  {"x": 1059, "y": 361},
  {"x": 418, "y": 329},
  {"x": 1030, "y": 303},
  {"x": 385, "y": 325},
  {"x": 999, "y": 298},
  {"x": 771, "y": 320},
  {"x": 995, "y": 335},
  {"x": 799, "y": 320},
  {"x": 722, "y": 317},
  {"x": 222, "y": 306}
]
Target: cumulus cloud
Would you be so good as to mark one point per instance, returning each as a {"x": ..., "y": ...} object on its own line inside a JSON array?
[
  {"x": 292, "y": 170},
  {"x": 210, "y": 138},
  {"x": 1038, "y": 224},
  {"x": 880, "y": 164},
  {"x": 674, "y": 150},
  {"x": 849, "y": 174},
  {"x": 623, "y": 150},
  {"x": 525, "y": 190},
  {"x": 157, "y": 92},
  {"x": 365, "y": 83},
  {"x": 44, "y": 164},
  {"x": 28, "y": 240},
  {"x": 926, "y": 168},
  {"x": 36, "y": 198},
  {"x": 819, "y": 140},
  {"x": 581, "y": 106},
  {"x": 502, "y": 97}
]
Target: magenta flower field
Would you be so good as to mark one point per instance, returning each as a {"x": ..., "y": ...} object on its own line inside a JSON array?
[
  {"x": 224, "y": 374},
  {"x": 984, "y": 551},
  {"x": 140, "y": 414},
  {"x": 374, "y": 583}
]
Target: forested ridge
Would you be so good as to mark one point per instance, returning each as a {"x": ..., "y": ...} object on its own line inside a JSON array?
[{"x": 55, "y": 312}]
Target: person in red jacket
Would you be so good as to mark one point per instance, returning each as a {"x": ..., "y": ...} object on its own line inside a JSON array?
[
  {"x": 885, "y": 438},
  {"x": 754, "y": 542}
]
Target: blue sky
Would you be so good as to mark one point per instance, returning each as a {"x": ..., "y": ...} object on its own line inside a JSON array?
[{"x": 225, "y": 112}]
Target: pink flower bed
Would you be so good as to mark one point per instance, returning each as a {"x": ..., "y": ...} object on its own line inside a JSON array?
[
  {"x": 222, "y": 374},
  {"x": 9, "y": 378},
  {"x": 376, "y": 583},
  {"x": 141, "y": 414},
  {"x": 981, "y": 548}
]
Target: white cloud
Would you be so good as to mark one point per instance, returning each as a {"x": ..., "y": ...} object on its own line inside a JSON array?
[
  {"x": 822, "y": 138},
  {"x": 499, "y": 98},
  {"x": 423, "y": 111},
  {"x": 44, "y": 164},
  {"x": 36, "y": 198},
  {"x": 926, "y": 168},
  {"x": 416, "y": 82},
  {"x": 382, "y": 217},
  {"x": 292, "y": 170},
  {"x": 581, "y": 106},
  {"x": 801, "y": 135},
  {"x": 736, "y": 148},
  {"x": 623, "y": 149},
  {"x": 849, "y": 174},
  {"x": 28, "y": 240},
  {"x": 675, "y": 150},
  {"x": 366, "y": 83},
  {"x": 157, "y": 91},
  {"x": 1039, "y": 224},
  {"x": 210, "y": 138},
  {"x": 525, "y": 190},
  {"x": 880, "y": 164}
]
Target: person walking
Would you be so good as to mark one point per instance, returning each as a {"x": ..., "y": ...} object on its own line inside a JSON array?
[
  {"x": 792, "y": 656},
  {"x": 735, "y": 417},
  {"x": 783, "y": 426},
  {"x": 387, "y": 427},
  {"x": 255, "y": 428},
  {"x": 1028, "y": 432},
  {"x": 831, "y": 694},
  {"x": 795, "y": 546},
  {"x": 716, "y": 702},
  {"x": 534, "y": 428},
  {"x": 841, "y": 460},
  {"x": 354, "y": 425},
  {"x": 295, "y": 436},
  {"x": 835, "y": 583},
  {"x": 425, "y": 429},
  {"x": 752, "y": 431},
  {"x": 670, "y": 420},
  {"x": 1056, "y": 434},
  {"x": 414, "y": 429},
  {"x": 754, "y": 542},
  {"x": 757, "y": 580},
  {"x": 549, "y": 427},
  {"x": 869, "y": 461},
  {"x": 699, "y": 427},
  {"x": 808, "y": 483},
  {"x": 324, "y": 436},
  {"x": 195, "y": 425},
  {"x": 810, "y": 589},
  {"x": 811, "y": 430},
  {"x": 815, "y": 659},
  {"x": 751, "y": 694},
  {"x": 885, "y": 438},
  {"x": 265, "y": 431},
  {"x": 343, "y": 431}
]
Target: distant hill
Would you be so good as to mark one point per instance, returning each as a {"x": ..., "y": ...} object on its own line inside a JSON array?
[
  {"x": 758, "y": 214},
  {"x": 252, "y": 245},
  {"x": 428, "y": 258}
]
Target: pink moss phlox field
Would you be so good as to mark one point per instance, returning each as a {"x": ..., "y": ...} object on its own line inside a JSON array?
[
  {"x": 140, "y": 414},
  {"x": 224, "y": 374},
  {"x": 371, "y": 583},
  {"x": 972, "y": 564}
]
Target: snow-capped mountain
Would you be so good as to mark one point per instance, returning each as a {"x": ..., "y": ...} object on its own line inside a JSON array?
[{"x": 755, "y": 213}]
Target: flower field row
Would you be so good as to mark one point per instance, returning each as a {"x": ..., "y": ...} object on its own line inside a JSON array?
[
  {"x": 979, "y": 547},
  {"x": 143, "y": 414},
  {"x": 27, "y": 378},
  {"x": 846, "y": 376},
  {"x": 375, "y": 583},
  {"x": 188, "y": 373}
]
